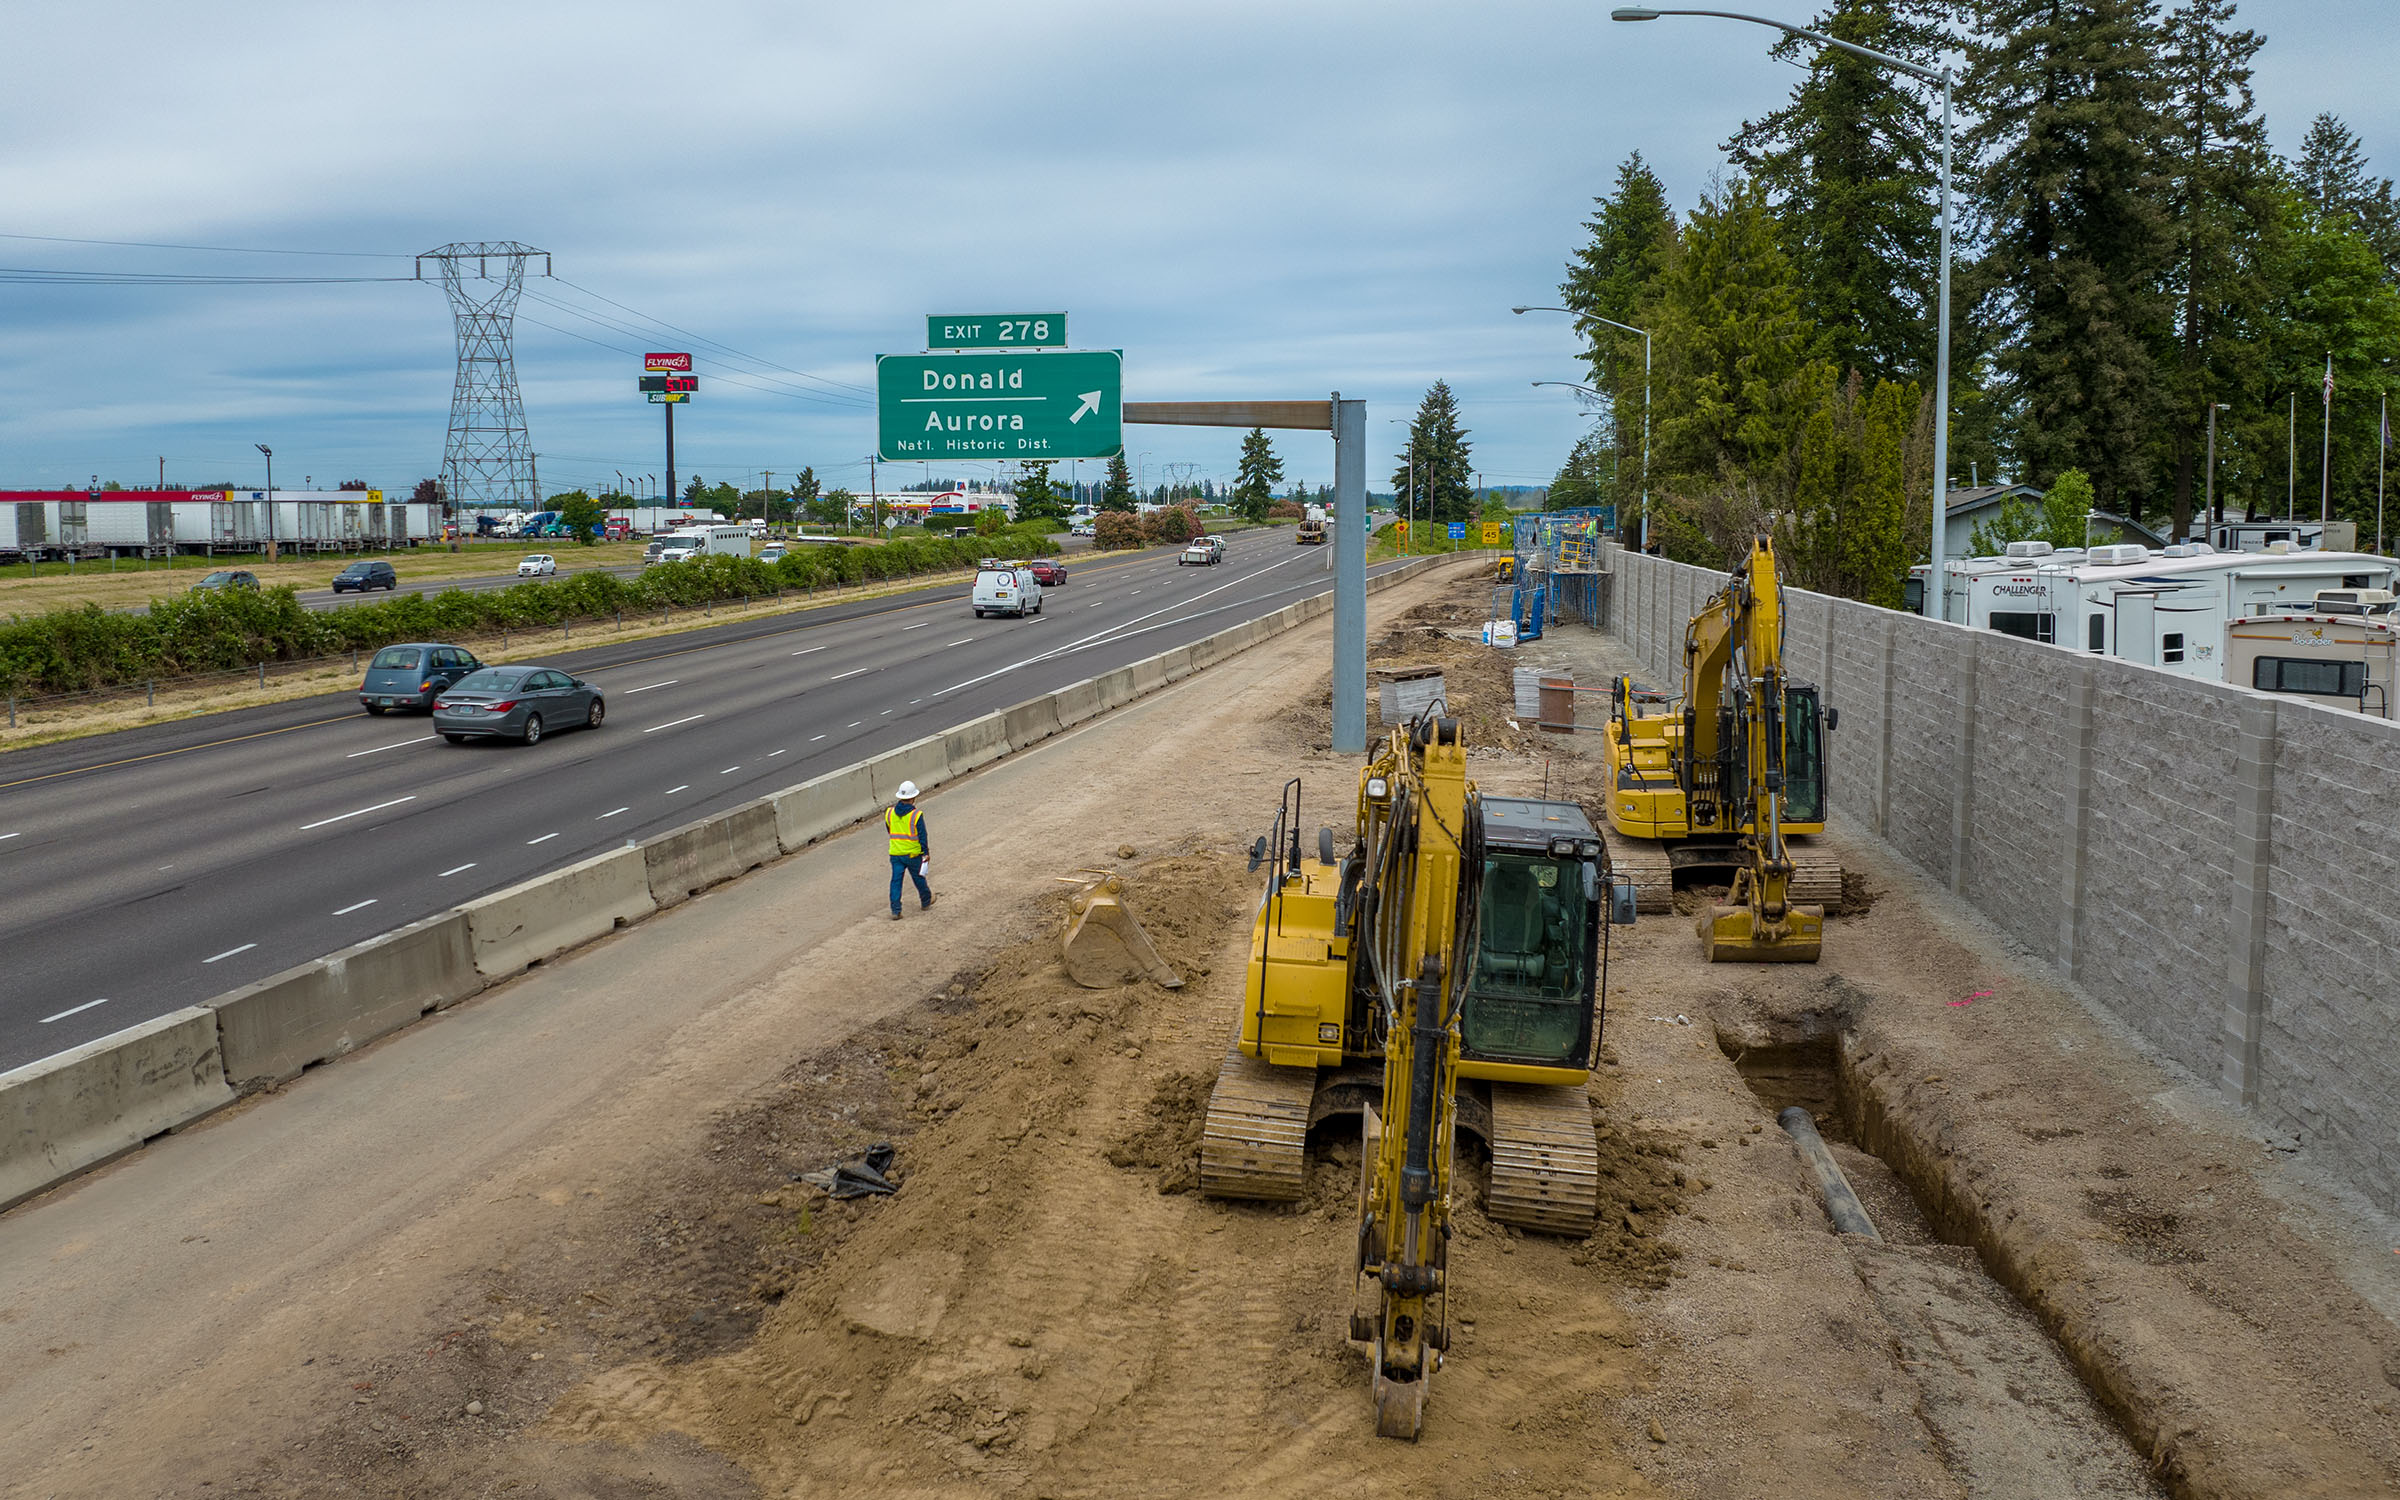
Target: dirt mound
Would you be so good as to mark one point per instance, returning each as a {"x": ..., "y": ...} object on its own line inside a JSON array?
[{"x": 1041, "y": 1302}]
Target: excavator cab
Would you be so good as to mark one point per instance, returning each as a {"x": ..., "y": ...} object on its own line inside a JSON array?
[{"x": 1529, "y": 1013}]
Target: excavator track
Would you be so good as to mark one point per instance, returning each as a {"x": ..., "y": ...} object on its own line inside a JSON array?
[
  {"x": 1816, "y": 880},
  {"x": 1545, "y": 1159},
  {"x": 1254, "y": 1143},
  {"x": 1645, "y": 860}
]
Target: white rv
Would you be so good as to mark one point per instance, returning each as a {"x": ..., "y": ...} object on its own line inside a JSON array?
[
  {"x": 2338, "y": 649},
  {"x": 2167, "y": 607}
]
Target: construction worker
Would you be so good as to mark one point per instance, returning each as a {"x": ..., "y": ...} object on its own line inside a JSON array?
[{"x": 904, "y": 827}]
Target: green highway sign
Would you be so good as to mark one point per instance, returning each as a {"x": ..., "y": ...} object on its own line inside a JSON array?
[
  {"x": 1054, "y": 405},
  {"x": 996, "y": 330}
]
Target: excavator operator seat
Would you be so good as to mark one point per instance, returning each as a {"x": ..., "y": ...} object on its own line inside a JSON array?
[{"x": 1515, "y": 919}]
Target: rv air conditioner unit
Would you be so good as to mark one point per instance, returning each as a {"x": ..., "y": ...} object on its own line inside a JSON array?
[
  {"x": 2029, "y": 549},
  {"x": 2120, "y": 556}
]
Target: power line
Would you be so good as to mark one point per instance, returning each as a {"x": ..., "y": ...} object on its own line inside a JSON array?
[
  {"x": 714, "y": 375},
  {"x": 614, "y": 326},
  {"x": 60, "y": 239},
  {"x": 38, "y": 276},
  {"x": 727, "y": 348}
]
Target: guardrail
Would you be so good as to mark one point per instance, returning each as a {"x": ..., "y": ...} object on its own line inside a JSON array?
[{"x": 67, "y": 1114}]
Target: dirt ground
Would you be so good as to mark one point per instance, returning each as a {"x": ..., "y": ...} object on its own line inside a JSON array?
[{"x": 1046, "y": 1308}]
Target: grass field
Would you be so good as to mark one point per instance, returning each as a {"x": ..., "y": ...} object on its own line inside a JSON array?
[{"x": 133, "y": 582}]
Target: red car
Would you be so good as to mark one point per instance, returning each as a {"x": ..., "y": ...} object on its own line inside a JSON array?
[{"x": 1046, "y": 573}]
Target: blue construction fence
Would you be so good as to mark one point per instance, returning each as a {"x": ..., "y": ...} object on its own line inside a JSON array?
[{"x": 1556, "y": 577}]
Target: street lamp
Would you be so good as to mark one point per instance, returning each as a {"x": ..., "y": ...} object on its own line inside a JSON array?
[
  {"x": 1937, "y": 585},
  {"x": 2209, "y": 504},
  {"x": 1643, "y": 543},
  {"x": 1410, "y": 515},
  {"x": 267, "y": 534}
]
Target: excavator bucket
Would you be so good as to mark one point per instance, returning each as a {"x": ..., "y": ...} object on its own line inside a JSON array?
[
  {"x": 1105, "y": 945},
  {"x": 1741, "y": 935}
]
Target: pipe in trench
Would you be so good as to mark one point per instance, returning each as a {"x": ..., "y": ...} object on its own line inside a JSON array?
[{"x": 1841, "y": 1204}]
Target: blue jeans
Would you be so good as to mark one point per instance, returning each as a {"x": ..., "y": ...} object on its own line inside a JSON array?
[{"x": 911, "y": 865}]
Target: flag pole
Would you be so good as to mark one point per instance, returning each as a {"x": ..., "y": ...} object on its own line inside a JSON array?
[
  {"x": 2325, "y": 471},
  {"x": 2383, "y": 444}
]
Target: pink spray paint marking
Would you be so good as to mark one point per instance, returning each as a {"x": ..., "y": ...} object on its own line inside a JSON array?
[{"x": 1970, "y": 1000}]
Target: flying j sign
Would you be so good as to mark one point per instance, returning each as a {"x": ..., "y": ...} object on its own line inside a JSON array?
[
  {"x": 1032, "y": 405},
  {"x": 679, "y": 362}
]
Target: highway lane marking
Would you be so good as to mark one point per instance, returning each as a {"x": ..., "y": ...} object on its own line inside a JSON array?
[
  {"x": 362, "y": 812},
  {"x": 423, "y": 739},
  {"x": 812, "y": 739},
  {"x": 76, "y": 1011},
  {"x": 671, "y": 791},
  {"x": 803, "y": 651},
  {"x": 854, "y": 723},
  {"x": 670, "y": 682},
  {"x": 230, "y": 952},
  {"x": 236, "y": 739},
  {"x": 5, "y": 837},
  {"x": 729, "y": 770},
  {"x": 853, "y": 672},
  {"x": 961, "y": 641},
  {"x": 356, "y": 906},
  {"x": 456, "y": 870},
  {"x": 529, "y": 843},
  {"x": 771, "y": 754},
  {"x": 604, "y": 817},
  {"x": 671, "y": 723},
  {"x": 920, "y": 625}
]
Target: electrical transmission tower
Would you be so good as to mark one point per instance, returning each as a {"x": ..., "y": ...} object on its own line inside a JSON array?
[{"x": 488, "y": 459}]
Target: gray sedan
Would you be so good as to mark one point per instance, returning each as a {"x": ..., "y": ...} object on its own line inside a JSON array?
[{"x": 520, "y": 703}]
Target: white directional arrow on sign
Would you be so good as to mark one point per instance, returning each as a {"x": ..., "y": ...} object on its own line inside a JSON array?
[{"x": 1091, "y": 404}]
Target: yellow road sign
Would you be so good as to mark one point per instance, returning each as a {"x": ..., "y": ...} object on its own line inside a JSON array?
[{"x": 1491, "y": 533}]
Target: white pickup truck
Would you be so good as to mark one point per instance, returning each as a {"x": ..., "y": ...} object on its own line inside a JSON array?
[{"x": 1207, "y": 551}]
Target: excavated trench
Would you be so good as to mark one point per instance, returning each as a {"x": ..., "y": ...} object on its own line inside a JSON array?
[{"x": 2008, "y": 1405}]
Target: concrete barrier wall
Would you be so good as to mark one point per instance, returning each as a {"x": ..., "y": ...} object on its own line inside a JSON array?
[
  {"x": 73, "y": 1111},
  {"x": 2211, "y": 864},
  {"x": 68, "y": 1113},
  {"x": 919, "y": 761},
  {"x": 564, "y": 909},
  {"x": 822, "y": 805},
  {"x": 976, "y": 743},
  {"x": 271, "y": 1030},
  {"x": 686, "y": 861}
]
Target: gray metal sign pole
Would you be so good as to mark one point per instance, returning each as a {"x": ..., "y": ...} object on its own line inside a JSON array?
[
  {"x": 1349, "y": 575},
  {"x": 1347, "y": 421}
]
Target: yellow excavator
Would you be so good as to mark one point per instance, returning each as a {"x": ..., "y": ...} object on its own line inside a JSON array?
[
  {"x": 1447, "y": 971},
  {"x": 1720, "y": 782}
]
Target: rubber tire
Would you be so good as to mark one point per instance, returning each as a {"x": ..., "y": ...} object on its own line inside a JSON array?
[
  {"x": 533, "y": 729},
  {"x": 395, "y": 583},
  {"x": 455, "y": 739},
  {"x": 377, "y": 709},
  {"x": 979, "y": 614},
  {"x": 599, "y": 712}
]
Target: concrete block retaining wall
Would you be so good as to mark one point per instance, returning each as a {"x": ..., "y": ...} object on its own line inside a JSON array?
[
  {"x": 74, "y": 1111},
  {"x": 2212, "y": 865}
]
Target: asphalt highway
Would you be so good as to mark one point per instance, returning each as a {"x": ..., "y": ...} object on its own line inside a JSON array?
[{"x": 147, "y": 870}]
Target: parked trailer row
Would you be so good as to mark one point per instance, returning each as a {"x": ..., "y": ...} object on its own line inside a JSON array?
[{"x": 78, "y": 523}]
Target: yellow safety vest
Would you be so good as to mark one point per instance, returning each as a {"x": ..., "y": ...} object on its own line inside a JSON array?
[{"x": 902, "y": 826}]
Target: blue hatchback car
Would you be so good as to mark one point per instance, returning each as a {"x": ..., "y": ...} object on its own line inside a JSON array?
[{"x": 413, "y": 675}]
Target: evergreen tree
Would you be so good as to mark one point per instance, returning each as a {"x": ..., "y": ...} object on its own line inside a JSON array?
[
  {"x": 1588, "y": 477},
  {"x": 1615, "y": 276},
  {"x": 2220, "y": 180},
  {"x": 806, "y": 488},
  {"x": 2331, "y": 298},
  {"x": 1261, "y": 471},
  {"x": 1845, "y": 528},
  {"x": 1117, "y": 493},
  {"x": 1444, "y": 478},
  {"x": 2333, "y": 178},
  {"x": 1852, "y": 165},
  {"x": 2071, "y": 102},
  {"x": 1735, "y": 379},
  {"x": 1037, "y": 500}
]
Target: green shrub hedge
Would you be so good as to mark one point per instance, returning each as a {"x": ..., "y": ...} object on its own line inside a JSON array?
[{"x": 75, "y": 649}]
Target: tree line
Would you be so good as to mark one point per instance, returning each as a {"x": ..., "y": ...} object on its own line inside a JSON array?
[{"x": 2131, "y": 254}]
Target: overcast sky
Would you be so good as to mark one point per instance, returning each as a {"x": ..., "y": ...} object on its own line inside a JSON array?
[{"x": 1250, "y": 199}]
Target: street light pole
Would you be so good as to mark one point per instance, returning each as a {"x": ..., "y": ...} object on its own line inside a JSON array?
[
  {"x": 266, "y": 534},
  {"x": 1642, "y": 541},
  {"x": 1935, "y": 583},
  {"x": 2209, "y": 504}
]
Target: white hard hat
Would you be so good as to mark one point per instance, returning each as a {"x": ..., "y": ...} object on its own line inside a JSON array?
[{"x": 908, "y": 791}]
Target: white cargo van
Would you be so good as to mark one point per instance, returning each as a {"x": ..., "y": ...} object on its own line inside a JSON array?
[{"x": 1006, "y": 589}]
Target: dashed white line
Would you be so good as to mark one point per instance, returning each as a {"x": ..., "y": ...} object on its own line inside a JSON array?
[
  {"x": 671, "y": 723},
  {"x": 853, "y": 672},
  {"x": 854, "y": 723},
  {"x": 729, "y": 770},
  {"x": 887, "y": 713},
  {"x": 771, "y": 754},
  {"x": 803, "y": 651},
  {"x": 456, "y": 870},
  {"x": 920, "y": 625},
  {"x": 604, "y": 817},
  {"x": 356, "y": 906},
  {"x": 423, "y": 739},
  {"x": 76, "y": 1011},
  {"x": 670, "y": 682},
  {"x": 5, "y": 837},
  {"x": 230, "y": 952},
  {"x": 529, "y": 843},
  {"x": 812, "y": 739},
  {"x": 362, "y": 812},
  {"x": 671, "y": 791},
  {"x": 961, "y": 641}
]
